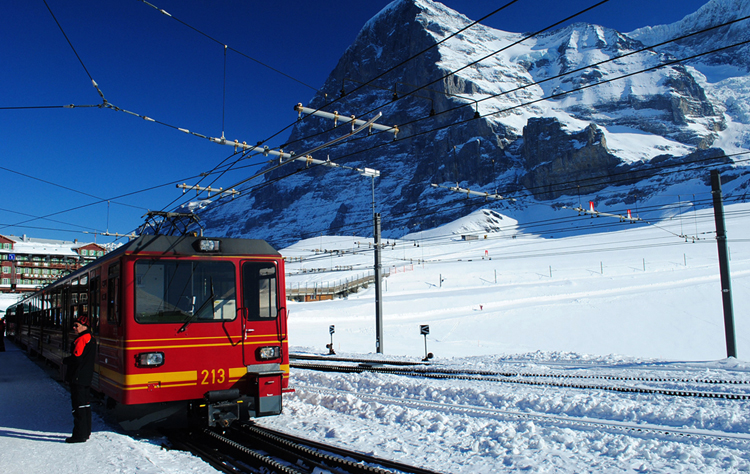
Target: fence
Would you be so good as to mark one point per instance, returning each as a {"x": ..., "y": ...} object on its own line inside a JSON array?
[{"x": 318, "y": 291}]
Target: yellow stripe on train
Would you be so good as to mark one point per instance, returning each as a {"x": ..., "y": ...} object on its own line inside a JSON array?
[{"x": 174, "y": 379}]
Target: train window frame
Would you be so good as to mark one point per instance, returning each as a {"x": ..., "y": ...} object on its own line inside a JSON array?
[
  {"x": 95, "y": 300},
  {"x": 211, "y": 299},
  {"x": 252, "y": 285},
  {"x": 113, "y": 294}
]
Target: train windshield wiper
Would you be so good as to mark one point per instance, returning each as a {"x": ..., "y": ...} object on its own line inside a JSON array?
[{"x": 210, "y": 299}]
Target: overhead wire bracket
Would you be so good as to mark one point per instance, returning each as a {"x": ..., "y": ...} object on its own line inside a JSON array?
[
  {"x": 306, "y": 157},
  {"x": 336, "y": 117},
  {"x": 199, "y": 189},
  {"x": 469, "y": 192},
  {"x": 594, "y": 213}
]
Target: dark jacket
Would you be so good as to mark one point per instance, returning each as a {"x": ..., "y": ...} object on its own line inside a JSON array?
[{"x": 80, "y": 365}]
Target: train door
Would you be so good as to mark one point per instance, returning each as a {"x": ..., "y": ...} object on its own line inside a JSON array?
[
  {"x": 65, "y": 320},
  {"x": 263, "y": 325},
  {"x": 94, "y": 300}
]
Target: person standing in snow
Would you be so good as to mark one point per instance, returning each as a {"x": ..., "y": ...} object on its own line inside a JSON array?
[{"x": 80, "y": 371}]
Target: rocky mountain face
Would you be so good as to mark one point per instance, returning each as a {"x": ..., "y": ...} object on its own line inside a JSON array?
[
  {"x": 570, "y": 112},
  {"x": 714, "y": 12}
]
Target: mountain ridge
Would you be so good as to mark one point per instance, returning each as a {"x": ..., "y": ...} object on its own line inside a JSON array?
[{"x": 542, "y": 124}]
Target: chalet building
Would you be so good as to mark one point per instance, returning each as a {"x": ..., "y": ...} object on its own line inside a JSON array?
[{"x": 28, "y": 264}]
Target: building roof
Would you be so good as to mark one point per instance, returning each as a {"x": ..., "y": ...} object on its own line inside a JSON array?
[{"x": 32, "y": 246}]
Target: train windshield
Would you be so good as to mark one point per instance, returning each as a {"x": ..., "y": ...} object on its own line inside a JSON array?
[{"x": 184, "y": 291}]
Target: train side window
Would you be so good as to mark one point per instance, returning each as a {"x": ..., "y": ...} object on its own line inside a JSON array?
[
  {"x": 259, "y": 290},
  {"x": 113, "y": 294}
]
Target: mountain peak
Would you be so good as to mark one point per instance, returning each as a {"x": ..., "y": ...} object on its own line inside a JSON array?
[
  {"x": 713, "y": 13},
  {"x": 542, "y": 117}
]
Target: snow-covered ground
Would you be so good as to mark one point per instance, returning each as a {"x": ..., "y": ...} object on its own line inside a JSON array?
[
  {"x": 634, "y": 302},
  {"x": 641, "y": 291},
  {"x": 35, "y": 419}
]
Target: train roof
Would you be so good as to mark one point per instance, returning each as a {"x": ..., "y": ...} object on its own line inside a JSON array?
[
  {"x": 177, "y": 245},
  {"x": 190, "y": 245}
]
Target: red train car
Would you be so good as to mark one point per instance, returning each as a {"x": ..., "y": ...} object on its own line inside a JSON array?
[{"x": 187, "y": 328}]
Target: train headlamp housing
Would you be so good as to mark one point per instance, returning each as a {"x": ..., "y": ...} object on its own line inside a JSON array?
[
  {"x": 149, "y": 359},
  {"x": 269, "y": 352},
  {"x": 209, "y": 245}
]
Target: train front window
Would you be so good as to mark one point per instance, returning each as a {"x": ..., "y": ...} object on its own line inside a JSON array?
[
  {"x": 184, "y": 291},
  {"x": 259, "y": 290}
]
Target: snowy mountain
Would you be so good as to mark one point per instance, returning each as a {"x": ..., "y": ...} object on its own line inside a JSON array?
[
  {"x": 726, "y": 63},
  {"x": 580, "y": 111}
]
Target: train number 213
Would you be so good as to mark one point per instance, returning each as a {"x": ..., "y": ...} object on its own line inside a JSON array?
[{"x": 213, "y": 376}]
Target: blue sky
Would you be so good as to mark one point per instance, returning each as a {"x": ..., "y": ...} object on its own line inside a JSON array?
[{"x": 92, "y": 169}]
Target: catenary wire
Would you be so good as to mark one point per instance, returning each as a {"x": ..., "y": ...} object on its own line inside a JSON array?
[
  {"x": 226, "y": 46},
  {"x": 466, "y": 66},
  {"x": 76, "y": 53},
  {"x": 559, "y": 75}
]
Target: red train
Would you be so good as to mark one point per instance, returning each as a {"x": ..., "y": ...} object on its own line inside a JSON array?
[{"x": 187, "y": 328}]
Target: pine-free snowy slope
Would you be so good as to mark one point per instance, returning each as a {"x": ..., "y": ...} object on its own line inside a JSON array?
[{"x": 664, "y": 321}]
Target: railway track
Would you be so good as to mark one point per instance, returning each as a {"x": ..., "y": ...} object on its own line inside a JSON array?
[
  {"x": 557, "y": 380},
  {"x": 247, "y": 448},
  {"x": 579, "y": 423}
]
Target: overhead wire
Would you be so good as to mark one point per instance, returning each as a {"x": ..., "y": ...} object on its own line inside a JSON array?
[
  {"x": 104, "y": 104},
  {"x": 439, "y": 241},
  {"x": 215, "y": 40},
  {"x": 663, "y": 64},
  {"x": 67, "y": 188},
  {"x": 225, "y": 53},
  {"x": 472, "y": 63},
  {"x": 69, "y": 42},
  {"x": 471, "y": 24},
  {"x": 613, "y": 179},
  {"x": 570, "y": 72},
  {"x": 425, "y": 50},
  {"x": 100, "y": 201},
  {"x": 39, "y": 218},
  {"x": 605, "y": 223},
  {"x": 113, "y": 107}
]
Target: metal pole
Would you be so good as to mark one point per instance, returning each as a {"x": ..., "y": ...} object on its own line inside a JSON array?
[
  {"x": 721, "y": 241},
  {"x": 378, "y": 296}
]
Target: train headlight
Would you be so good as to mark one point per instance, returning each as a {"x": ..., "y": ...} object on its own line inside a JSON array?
[
  {"x": 149, "y": 359},
  {"x": 208, "y": 245},
  {"x": 270, "y": 352}
]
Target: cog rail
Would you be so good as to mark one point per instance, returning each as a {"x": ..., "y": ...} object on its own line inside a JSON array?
[
  {"x": 341, "y": 458},
  {"x": 246, "y": 448}
]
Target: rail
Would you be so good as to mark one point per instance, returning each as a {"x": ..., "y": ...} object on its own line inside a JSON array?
[{"x": 245, "y": 448}]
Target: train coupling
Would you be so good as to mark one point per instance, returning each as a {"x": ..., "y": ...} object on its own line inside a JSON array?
[{"x": 223, "y": 406}]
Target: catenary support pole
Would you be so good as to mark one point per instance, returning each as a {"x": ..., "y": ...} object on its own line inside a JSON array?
[
  {"x": 378, "y": 295},
  {"x": 721, "y": 241}
]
